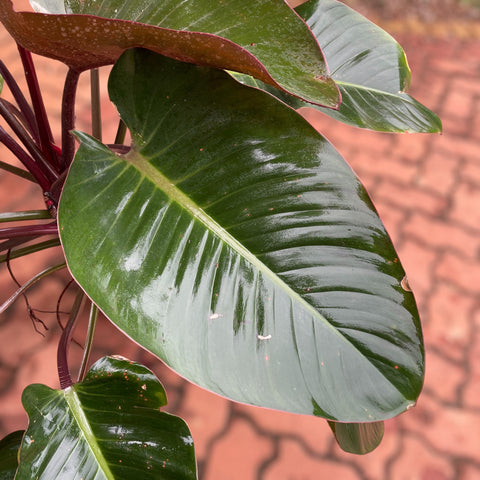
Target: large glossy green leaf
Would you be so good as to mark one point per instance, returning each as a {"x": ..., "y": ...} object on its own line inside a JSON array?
[
  {"x": 262, "y": 38},
  {"x": 369, "y": 67},
  {"x": 235, "y": 243},
  {"x": 9, "y": 447},
  {"x": 107, "y": 427}
]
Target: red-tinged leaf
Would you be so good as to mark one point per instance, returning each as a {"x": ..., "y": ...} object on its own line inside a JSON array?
[{"x": 279, "y": 51}]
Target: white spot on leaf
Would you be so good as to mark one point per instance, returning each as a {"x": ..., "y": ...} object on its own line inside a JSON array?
[
  {"x": 187, "y": 440},
  {"x": 262, "y": 337}
]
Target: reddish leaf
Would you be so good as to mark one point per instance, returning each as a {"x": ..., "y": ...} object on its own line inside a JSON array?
[{"x": 86, "y": 41}]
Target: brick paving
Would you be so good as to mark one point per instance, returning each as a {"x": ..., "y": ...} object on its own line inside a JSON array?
[{"x": 427, "y": 191}]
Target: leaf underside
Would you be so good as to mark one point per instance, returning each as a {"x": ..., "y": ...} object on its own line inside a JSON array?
[
  {"x": 107, "y": 427},
  {"x": 280, "y": 50},
  {"x": 237, "y": 245}
]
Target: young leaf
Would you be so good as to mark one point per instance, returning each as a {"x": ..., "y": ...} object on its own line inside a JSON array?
[
  {"x": 236, "y": 244},
  {"x": 108, "y": 427},
  {"x": 358, "y": 438},
  {"x": 264, "y": 38},
  {"x": 9, "y": 447}
]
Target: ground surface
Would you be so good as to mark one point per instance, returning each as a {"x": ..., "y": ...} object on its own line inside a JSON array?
[
  {"x": 427, "y": 190},
  {"x": 425, "y": 10}
]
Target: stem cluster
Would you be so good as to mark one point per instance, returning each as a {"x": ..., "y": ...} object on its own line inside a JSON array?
[{"x": 29, "y": 137}]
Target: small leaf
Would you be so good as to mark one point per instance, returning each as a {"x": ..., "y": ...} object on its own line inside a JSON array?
[
  {"x": 236, "y": 244},
  {"x": 108, "y": 427},
  {"x": 265, "y": 39},
  {"x": 9, "y": 447},
  {"x": 358, "y": 438}
]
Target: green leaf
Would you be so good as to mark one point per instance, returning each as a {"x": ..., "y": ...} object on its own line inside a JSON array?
[
  {"x": 358, "y": 438},
  {"x": 264, "y": 38},
  {"x": 357, "y": 48},
  {"x": 236, "y": 244},
  {"x": 9, "y": 447},
  {"x": 369, "y": 67},
  {"x": 107, "y": 427}
]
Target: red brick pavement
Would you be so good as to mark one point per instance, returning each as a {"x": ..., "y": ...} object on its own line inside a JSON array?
[{"x": 427, "y": 190}]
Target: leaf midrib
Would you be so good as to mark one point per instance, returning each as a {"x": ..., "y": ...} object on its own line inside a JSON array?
[
  {"x": 375, "y": 90},
  {"x": 76, "y": 408},
  {"x": 147, "y": 170}
]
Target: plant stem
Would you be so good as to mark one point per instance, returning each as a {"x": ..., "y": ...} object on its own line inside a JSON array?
[
  {"x": 31, "y": 282},
  {"x": 44, "y": 130},
  {"x": 96, "y": 106},
  {"x": 119, "y": 148},
  {"x": 17, "y": 171},
  {"x": 68, "y": 118},
  {"x": 62, "y": 352},
  {"x": 92, "y": 323},
  {"x": 19, "y": 116},
  {"x": 27, "y": 141},
  {"x": 37, "y": 247},
  {"x": 26, "y": 159},
  {"x": 20, "y": 99},
  {"x": 121, "y": 132},
  {"x": 25, "y": 215},
  {"x": 29, "y": 231}
]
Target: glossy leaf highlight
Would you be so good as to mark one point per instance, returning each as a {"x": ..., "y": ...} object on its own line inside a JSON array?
[
  {"x": 265, "y": 38},
  {"x": 107, "y": 427},
  {"x": 236, "y": 244}
]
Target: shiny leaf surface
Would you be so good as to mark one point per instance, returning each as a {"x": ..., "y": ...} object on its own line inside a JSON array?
[
  {"x": 265, "y": 38},
  {"x": 369, "y": 67},
  {"x": 107, "y": 427},
  {"x": 358, "y": 438},
  {"x": 236, "y": 244},
  {"x": 9, "y": 447}
]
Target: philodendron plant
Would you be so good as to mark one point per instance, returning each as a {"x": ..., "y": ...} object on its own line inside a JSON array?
[{"x": 228, "y": 238}]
